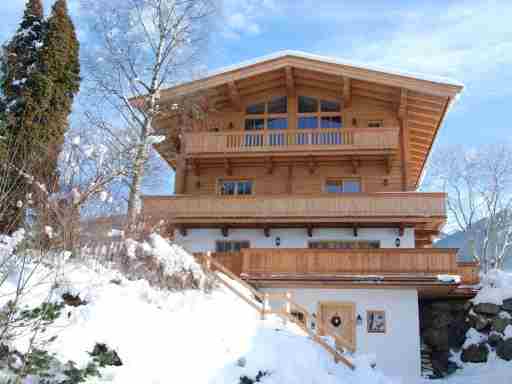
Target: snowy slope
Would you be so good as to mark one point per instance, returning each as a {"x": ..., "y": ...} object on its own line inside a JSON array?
[{"x": 189, "y": 337}]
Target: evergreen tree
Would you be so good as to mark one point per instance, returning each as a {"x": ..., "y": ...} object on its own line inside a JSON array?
[
  {"x": 24, "y": 88},
  {"x": 61, "y": 63}
]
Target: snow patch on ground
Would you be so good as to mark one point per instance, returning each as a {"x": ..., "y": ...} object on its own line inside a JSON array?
[{"x": 496, "y": 287}]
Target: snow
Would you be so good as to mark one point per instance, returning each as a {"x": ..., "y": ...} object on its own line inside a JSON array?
[
  {"x": 473, "y": 337},
  {"x": 151, "y": 140},
  {"x": 496, "y": 287},
  {"x": 185, "y": 337},
  {"x": 304, "y": 55},
  {"x": 449, "y": 279}
]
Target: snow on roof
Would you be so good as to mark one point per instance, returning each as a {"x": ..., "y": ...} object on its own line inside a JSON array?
[{"x": 332, "y": 60}]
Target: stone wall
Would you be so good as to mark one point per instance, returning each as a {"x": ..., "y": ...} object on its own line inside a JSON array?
[{"x": 458, "y": 326}]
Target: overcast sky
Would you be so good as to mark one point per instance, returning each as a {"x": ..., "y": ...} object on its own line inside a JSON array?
[{"x": 469, "y": 41}]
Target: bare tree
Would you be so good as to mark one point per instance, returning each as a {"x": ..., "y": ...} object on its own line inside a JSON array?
[
  {"x": 144, "y": 46},
  {"x": 479, "y": 187}
]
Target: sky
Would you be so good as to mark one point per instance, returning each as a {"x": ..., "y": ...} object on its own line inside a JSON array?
[{"x": 469, "y": 41}]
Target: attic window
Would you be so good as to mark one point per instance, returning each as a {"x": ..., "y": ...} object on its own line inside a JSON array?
[
  {"x": 319, "y": 113},
  {"x": 308, "y": 104},
  {"x": 278, "y": 105},
  {"x": 255, "y": 109},
  {"x": 330, "y": 106}
]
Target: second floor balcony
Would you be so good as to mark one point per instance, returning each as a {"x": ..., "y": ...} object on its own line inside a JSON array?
[
  {"x": 323, "y": 209},
  {"x": 380, "y": 141}
]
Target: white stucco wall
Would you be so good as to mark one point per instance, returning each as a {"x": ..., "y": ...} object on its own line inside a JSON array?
[
  {"x": 202, "y": 240},
  {"x": 397, "y": 352}
]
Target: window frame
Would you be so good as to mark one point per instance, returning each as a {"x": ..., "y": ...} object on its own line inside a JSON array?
[
  {"x": 266, "y": 116},
  {"x": 231, "y": 242},
  {"x": 237, "y": 180},
  {"x": 342, "y": 180},
  {"x": 319, "y": 114}
]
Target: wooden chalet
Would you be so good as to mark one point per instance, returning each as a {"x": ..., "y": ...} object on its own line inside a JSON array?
[{"x": 301, "y": 175}]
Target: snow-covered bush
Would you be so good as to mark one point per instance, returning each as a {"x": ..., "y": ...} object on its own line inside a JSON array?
[{"x": 164, "y": 264}]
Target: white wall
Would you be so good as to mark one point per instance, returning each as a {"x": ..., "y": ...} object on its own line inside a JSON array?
[
  {"x": 397, "y": 352},
  {"x": 202, "y": 240}
]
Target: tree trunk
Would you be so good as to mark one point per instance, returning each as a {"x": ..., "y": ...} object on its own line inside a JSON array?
[{"x": 134, "y": 199}]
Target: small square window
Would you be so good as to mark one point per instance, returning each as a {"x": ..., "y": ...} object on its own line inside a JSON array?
[
  {"x": 343, "y": 186},
  {"x": 351, "y": 186},
  {"x": 375, "y": 123},
  {"x": 308, "y": 104}
]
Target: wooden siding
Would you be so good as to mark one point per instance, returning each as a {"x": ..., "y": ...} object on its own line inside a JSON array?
[
  {"x": 273, "y": 209},
  {"x": 301, "y": 263},
  {"x": 372, "y": 173}
]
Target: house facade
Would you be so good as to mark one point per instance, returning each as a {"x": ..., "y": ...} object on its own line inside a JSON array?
[{"x": 300, "y": 175}]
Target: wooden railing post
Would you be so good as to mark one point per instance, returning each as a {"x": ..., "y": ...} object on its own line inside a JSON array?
[{"x": 266, "y": 305}]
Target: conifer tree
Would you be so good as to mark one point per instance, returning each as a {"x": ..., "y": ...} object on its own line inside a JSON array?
[
  {"x": 60, "y": 60},
  {"x": 24, "y": 88}
]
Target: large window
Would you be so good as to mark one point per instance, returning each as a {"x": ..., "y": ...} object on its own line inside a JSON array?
[
  {"x": 318, "y": 113},
  {"x": 271, "y": 114},
  {"x": 230, "y": 246},
  {"x": 343, "y": 186},
  {"x": 344, "y": 244},
  {"x": 235, "y": 187}
]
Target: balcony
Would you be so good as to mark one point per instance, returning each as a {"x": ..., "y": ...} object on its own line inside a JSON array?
[
  {"x": 348, "y": 141},
  {"x": 351, "y": 208},
  {"x": 417, "y": 267}
]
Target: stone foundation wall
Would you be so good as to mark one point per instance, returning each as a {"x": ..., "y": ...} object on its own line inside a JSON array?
[{"x": 458, "y": 326}]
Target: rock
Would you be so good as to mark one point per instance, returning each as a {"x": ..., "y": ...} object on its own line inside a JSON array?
[
  {"x": 487, "y": 309},
  {"x": 468, "y": 305},
  {"x": 72, "y": 300},
  {"x": 494, "y": 339},
  {"x": 504, "y": 350},
  {"x": 475, "y": 354},
  {"x": 241, "y": 362},
  {"x": 437, "y": 339},
  {"x": 499, "y": 324},
  {"x": 105, "y": 356},
  {"x": 480, "y": 322},
  {"x": 507, "y": 305}
]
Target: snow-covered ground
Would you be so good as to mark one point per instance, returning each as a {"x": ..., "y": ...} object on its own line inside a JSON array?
[
  {"x": 184, "y": 337},
  {"x": 193, "y": 337}
]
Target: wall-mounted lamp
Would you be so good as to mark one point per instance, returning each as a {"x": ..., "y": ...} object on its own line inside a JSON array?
[
  {"x": 359, "y": 320},
  {"x": 397, "y": 242},
  {"x": 278, "y": 241}
]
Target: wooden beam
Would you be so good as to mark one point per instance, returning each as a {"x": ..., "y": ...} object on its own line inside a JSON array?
[
  {"x": 289, "y": 182},
  {"x": 269, "y": 165},
  {"x": 389, "y": 163},
  {"x": 347, "y": 92},
  {"x": 234, "y": 95},
  {"x": 312, "y": 165},
  {"x": 402, "y": 107},
  {"x": 355, "y": 163},
  {"x": 228, "y": 167},
  {"x": 195, "y": 168},
  {"x": 290, "y": 81}
]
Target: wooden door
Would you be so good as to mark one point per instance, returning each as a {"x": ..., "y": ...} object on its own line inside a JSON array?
[{"x": 339, "y": 317}]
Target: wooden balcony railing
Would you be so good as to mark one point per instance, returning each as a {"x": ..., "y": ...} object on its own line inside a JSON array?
[
  {"x": 291, "y": 140},
  {"x": 296, "y": 208},
  {"x": 254, "y": 263}
]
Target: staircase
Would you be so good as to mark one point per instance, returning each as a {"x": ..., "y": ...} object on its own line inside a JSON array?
[
  {"x": 261, "y": 303},
  {"x": 426, "y": 362}
]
